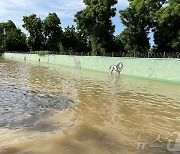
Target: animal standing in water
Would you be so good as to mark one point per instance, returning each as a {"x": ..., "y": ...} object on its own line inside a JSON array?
[
  {"x": 77, "y": 63},
  {"x": 118, "y": 68}
]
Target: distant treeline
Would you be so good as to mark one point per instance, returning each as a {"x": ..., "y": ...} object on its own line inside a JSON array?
[{"x": 94, "y": 32}]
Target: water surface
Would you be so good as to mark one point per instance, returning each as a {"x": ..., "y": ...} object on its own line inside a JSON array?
[{"x": 53, "y": 109}]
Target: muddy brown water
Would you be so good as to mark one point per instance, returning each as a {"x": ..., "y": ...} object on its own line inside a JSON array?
[{"x": 52, "y": 110}]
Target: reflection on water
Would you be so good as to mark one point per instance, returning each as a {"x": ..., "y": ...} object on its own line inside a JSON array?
[{"x": 111, "y": 112}]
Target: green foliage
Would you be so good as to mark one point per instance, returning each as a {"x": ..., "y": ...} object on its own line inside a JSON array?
[
  {"x": 138, "y": 21},
  {"x": 141, "y": 16},
  {"x": 40, "y": 53},
  {"x": 95, "y": 30},
  {"x": 2, "y": 48},
  {"x": 74, "y": 41},
  {"x": 52, "y": 32},
  {"x": 61, "y": 48},
  {"x": 69, "y": 39},
  {"x": 11, "y": 38},
  {"x": 15, "y": 40},
  {"x": 134, "y": 41},
  {"x": 117, "y": 45},
  {"x": 95, "y": 21},
  {"x": 167, "y": 32},
  {"x": 34, "y": 26}
]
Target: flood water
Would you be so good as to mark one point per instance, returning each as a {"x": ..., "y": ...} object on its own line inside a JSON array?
[{"x": 59, "y": 110}]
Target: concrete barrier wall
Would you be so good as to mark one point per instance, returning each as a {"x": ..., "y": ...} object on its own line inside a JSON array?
[{"x": 158, "y": 69}]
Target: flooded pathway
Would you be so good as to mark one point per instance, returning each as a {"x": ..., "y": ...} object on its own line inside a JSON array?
[{"x": 59, "y": 110}]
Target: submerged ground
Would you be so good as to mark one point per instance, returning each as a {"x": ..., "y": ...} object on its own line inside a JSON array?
[{"x": 52, "y": 109}]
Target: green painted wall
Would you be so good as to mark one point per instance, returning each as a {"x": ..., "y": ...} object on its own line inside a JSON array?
[{"x": 158, "y": 69}]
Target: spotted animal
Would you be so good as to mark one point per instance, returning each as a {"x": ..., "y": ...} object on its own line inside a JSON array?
[{"x": 118, "y": 68}]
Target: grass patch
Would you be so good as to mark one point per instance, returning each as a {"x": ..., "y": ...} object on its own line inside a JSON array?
[{"x": 40, "y": 53}]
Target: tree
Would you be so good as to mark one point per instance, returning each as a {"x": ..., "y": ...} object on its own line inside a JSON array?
[
  {"x": 15, "y": 40},
  {"x": 5, "y": 28},
  {"x": 138, "y": 19},
  {"x": 75, "y": 41},
  {"x": 83, "y": 42},
  {"x": 2, "y": 48},
  {"x": 95, "y": 21},
  {"x": 11, "y": 37},
  {"x": 117, "y": 46},
  {"x": 34, "y": 26},
  {"x": 52, "y": 32},
  {"x": 166, "y": 31},
  {"x": 69, "y": 39}
]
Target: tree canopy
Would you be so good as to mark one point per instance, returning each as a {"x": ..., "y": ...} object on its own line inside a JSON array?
[
  {"x": 138, "y": 19},
  {"x": 75, "y": 41},
  {"x": 95, "y": 21},
  {"x": 52, "y": 32},
  {"x": 12, "y": 38},
  {"x": 167, "y": 31},
  {"x": 34, "y": 26},
  {"x": 94, "y": 30}
]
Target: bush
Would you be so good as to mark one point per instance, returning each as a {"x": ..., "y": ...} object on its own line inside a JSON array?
[{"x": 40, "y": 53}]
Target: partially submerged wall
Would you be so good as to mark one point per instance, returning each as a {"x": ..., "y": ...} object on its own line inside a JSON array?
[{"x": 158, "y": 69}]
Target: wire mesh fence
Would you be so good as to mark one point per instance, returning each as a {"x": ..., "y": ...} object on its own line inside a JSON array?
[
  {"x": 115, "y": 54},
  {"x": 146, "y": 55}
]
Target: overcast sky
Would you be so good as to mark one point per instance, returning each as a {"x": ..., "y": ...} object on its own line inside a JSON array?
[{"x": 15, "y": 9}]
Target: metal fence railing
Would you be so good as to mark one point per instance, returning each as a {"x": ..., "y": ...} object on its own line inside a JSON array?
[{"x": 116, "y": 54}]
